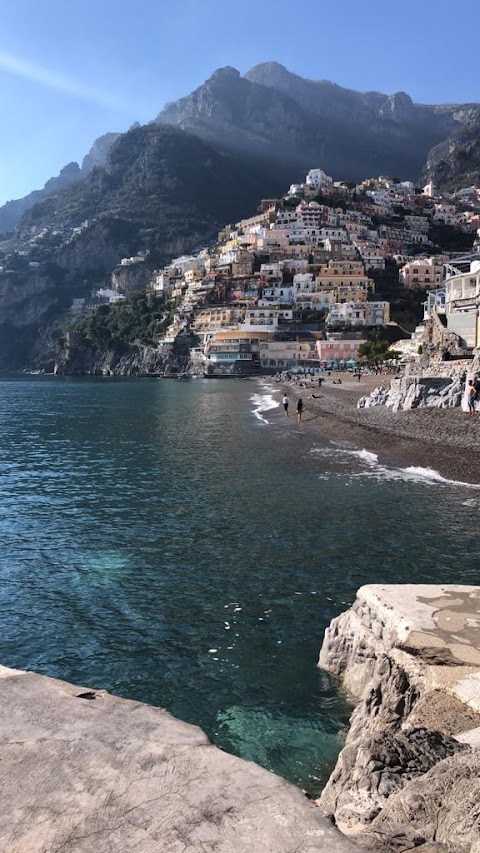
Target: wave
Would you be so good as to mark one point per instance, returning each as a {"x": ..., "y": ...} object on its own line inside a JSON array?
[
  {"x": 417, "y": 472},
  {"x": 263, "y": 403},
  {"x": 374, "y": 469}
]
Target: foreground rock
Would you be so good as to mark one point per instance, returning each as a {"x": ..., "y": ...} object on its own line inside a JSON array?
[
  {"x": 439, "y": 385},
  {"x": 83, "y": 771},
  {"x": 409, "y": 775}
]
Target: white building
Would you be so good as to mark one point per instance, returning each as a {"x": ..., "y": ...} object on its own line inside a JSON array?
[
  {"x": 265, "y": 319},
  {"x": 303, "y": 283},
  {"x": 358, "y": 314},
  {"x": 462, "y": 302},
  {"x": 318, "y": 179}
]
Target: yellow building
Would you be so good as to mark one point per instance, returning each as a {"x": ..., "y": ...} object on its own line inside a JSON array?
[
  {"x": 286, "y": 355},
  {"x": 218, "y": 317}
]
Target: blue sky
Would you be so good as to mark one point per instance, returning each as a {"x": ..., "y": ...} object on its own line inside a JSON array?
[{"x": 70, "y": 70}]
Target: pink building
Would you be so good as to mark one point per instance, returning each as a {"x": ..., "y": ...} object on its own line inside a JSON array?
[{"x": 329, "y": 351}]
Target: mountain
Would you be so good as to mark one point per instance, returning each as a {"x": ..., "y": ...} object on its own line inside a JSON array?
[
  {"x": 455, "y": 163},
  {"x": 162, "y": 190},
  {"x": 280, "y": 116},
  {"x": 168, "y": 186},
  {"x": 288, "y": 123},
  {"x": 12, "y": 211},
  {"x": 164, "y": 180}
]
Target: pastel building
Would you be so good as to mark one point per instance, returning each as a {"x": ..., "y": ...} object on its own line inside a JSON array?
[
  {"x": 287, "y": 355},
  {"x": 336, "y": 351},
  {"x": 422, "y": 273}
]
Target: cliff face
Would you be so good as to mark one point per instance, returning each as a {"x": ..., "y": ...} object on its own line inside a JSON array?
[
  {"x": 272, "y": 112},
  {"x": 161, "y": 178},
  {"x": 455, "y": 163},
  {"x": 79, "y": 357},
  {"x": 408, "y": 774}
]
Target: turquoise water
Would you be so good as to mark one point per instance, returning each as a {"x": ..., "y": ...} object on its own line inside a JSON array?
[{"x": 164, "y": 541}]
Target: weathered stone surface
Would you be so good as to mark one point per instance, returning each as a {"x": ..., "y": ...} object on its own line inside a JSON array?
[
  {"x": 411, "y": 653},
  {"x": 373, "y": 769},
  {"x": 439, "y": 385},
  {"x": 441, "y": 807},
  {"x": 83, "y": 771}
]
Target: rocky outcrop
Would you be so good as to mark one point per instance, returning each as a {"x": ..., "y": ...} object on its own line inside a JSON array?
[
  {"x": 79, "y": 357},
  {"x": 414, "y": 392},
  {"x": 98, "y": 154},
  {"x": 85, "y": 771},
  {"x": 437, "y": 340},
  {"x": 131, "y": 279},
  {"x": 455, "y": 162},
  {"x": 408, "y": 774},
  {"x": 439, "y": 385}
]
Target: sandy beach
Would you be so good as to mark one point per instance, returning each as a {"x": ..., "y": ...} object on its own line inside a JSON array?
[{"x": 447, "y": 440}]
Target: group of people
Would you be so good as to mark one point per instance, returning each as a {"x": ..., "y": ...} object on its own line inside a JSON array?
[{"x": 286, "y": 403}]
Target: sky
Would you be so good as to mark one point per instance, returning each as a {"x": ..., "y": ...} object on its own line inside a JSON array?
[{"x": 71, "y": 71}]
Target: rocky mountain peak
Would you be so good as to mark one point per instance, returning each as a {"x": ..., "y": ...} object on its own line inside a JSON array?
[
  {"x": 398, "y": 107},
  {"x": 98, "y": 154},
  {"x": 227, "y": 73},
  {"x": 268, "y": 73}
]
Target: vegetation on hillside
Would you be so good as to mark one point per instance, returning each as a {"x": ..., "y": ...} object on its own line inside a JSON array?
[
  {"x": 376, "y": 351},
  {"x": 164, "y": 181},
  {"x": 140, "y": 319}
]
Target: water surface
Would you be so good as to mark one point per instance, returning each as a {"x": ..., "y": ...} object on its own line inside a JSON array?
[{"x": 181, "y": 543}]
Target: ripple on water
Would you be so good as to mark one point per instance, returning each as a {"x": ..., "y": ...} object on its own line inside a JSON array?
[{"x": 154, "y": 543}]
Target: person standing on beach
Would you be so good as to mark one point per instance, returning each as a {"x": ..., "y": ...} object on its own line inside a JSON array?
[
  {"x": 285, "y": 402},
  {"x": 471, "y": 394},
  {"x": 299, "y": 409}
]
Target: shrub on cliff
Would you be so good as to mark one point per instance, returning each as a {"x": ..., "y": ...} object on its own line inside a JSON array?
[{"x": 140, "y": 319}]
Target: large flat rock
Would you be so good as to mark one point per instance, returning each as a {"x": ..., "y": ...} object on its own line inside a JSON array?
[
  {"x": 84, "y": 771},
  {"x": 433, "y": 630}
]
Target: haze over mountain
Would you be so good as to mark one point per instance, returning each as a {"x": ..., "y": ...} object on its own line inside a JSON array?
[
  {"x": 280, "y": 122},
  {"x": 279, "y": 115},
  {"x": 12, "y": 211}
]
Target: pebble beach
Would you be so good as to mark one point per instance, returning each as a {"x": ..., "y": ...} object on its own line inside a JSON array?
[{"x": 446, "y": 440}]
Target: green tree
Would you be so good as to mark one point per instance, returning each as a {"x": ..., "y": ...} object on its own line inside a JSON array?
[{"x": 374, "y": 351}]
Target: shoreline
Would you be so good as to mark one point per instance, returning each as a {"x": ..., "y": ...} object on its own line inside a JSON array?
[{"x": 444, "y": 440}]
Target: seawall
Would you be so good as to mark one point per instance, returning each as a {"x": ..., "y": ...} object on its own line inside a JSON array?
[
  {"x": 84, "y": 771},
  {"x": 409, "y": 773}
]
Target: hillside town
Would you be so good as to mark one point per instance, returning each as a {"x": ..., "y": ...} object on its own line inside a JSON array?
[
  {"x": 299, "y": 285},
  {"x": 313, "y": 275}
]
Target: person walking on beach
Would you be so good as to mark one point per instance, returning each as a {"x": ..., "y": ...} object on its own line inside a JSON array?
[
  {"x": 471, "y": 394},
  {"x": 299, "y": 409},
  {"x": 285, "y": 402}
]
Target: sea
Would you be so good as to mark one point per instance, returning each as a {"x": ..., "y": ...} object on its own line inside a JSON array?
[{"x": 183, "y": 543}]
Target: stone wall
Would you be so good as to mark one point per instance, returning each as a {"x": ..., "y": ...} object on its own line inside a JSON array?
[{"x": 437, "y": 340}]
